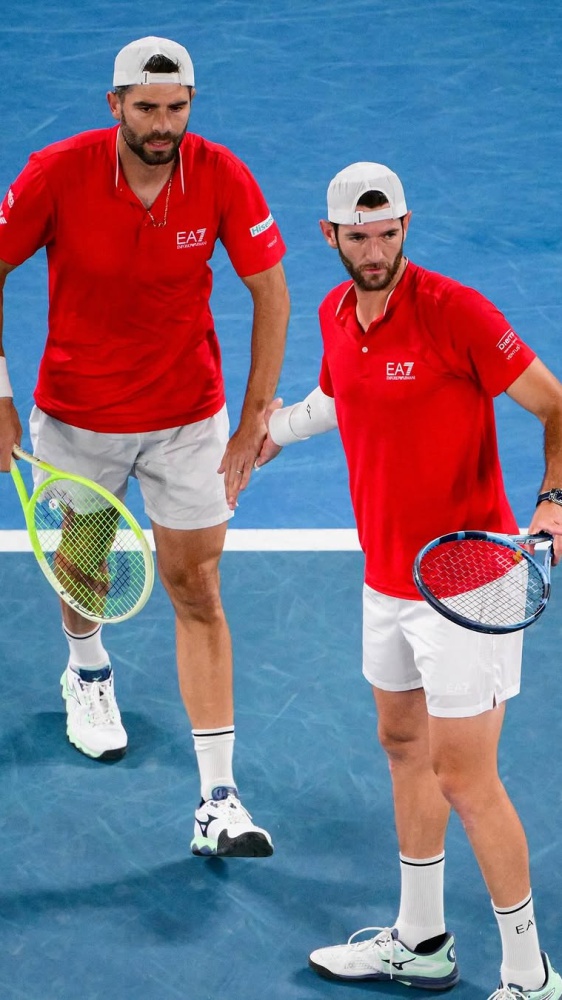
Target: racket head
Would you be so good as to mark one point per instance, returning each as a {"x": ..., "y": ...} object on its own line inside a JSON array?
[
  {"x": 90, "y": 547},
  {"x": 483, "y": 581}
]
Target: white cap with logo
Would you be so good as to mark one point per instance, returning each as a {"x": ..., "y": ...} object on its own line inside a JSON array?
[
  {"x": 131, "y": 60},
  {"x": 347, "y": 187}
]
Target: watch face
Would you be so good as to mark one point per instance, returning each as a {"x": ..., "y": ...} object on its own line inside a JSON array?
[{"x": 555, "y": 496}]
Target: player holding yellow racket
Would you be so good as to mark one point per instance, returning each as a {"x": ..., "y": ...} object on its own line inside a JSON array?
[{"x": 130, "y": 384}]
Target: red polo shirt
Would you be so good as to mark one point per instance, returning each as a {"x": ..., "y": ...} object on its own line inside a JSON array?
[
  {"x": 131, "y": 344},
  {"x": 414, "y": 400}
]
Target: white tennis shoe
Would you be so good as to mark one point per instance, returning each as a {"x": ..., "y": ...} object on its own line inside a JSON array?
[
  {"x": 93, "y": 720},
  {"x": 223, "y": 828},
  {"x": 551, "y": 990},
  {"x": 384, "y": 957}
]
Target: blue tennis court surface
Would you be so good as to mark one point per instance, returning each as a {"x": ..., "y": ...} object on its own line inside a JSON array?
[{"x": 99, "y": 895}]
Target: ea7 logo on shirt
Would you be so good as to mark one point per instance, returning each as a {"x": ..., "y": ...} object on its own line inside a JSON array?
[
  {"x": 508, "y": 344},
  {"x": 400, "y": 371},
  {"x": 193, "y": 238}
]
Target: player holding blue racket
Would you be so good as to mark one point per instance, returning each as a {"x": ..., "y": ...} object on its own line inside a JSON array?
[{"x": 412, "y": 361}]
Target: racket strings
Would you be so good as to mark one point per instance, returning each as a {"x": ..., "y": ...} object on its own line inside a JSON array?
[
  {"x": 89, "y": 548},
  {"x": 484, "y": 581}
]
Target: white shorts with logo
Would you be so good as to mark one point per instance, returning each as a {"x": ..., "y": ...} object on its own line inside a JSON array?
[
  {"x": 408, "y": 645},
  {"x": 176, "y": 468}
]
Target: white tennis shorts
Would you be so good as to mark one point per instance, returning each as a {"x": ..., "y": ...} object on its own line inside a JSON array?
[
  {"x": 176, "y": 468},
  {"x": 408, "y": 645}
]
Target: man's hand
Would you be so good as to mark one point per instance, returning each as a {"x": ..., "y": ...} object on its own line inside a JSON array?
[
  {"x": 10, "y": 431},
  {"x": 269, "y": 449},
  {"x": 249, "y": 447},
  {"x": 241, "y": 453},
  {"x": 548, "y": 517}
]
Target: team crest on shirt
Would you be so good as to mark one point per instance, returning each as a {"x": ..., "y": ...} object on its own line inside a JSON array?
[
  {"x": 193, "y": 238},
  {"x": 9, "y": 201},
  {"x": 400, "y": 371}
]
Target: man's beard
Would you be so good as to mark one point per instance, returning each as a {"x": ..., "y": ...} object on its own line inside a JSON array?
[
  {"x": 373, "y": 282},
  {"x": 153, "y": 157}
]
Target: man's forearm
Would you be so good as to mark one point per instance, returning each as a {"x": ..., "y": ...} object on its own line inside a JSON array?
[
  {"x": 552, "y": 454},
  {"x": 269, "y": 333},
  {"x": 315, "y": 414}
]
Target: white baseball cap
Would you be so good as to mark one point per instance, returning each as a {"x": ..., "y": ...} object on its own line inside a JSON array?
[
  {"x": 347, "y": 187},
  {"x": 131, "y": 60}
]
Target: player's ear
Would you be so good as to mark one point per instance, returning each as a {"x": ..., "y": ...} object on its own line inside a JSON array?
[
  {"x": 114, "y": 105},
  {"x": 406, "y": 222},
  {"x": 329, "y": 233}
]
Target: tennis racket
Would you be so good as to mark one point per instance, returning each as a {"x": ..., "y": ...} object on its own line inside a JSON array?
[
  {"x": 486, "y": 582},
  {"x": 89, "y": 546}
]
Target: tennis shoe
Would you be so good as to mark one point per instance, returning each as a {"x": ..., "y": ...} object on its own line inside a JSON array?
[
  {"x": 223, "y": 828},
  {"x": 384, "y": 958},
  {"x": 93, "y": 721},
  {"x": 551, "y": 990}
]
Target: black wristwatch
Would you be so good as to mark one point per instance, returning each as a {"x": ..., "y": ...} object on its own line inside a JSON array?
[{"x": 553, "y": 495}]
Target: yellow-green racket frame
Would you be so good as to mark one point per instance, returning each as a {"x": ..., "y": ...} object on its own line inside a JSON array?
[{"x": 28, "y": 503}]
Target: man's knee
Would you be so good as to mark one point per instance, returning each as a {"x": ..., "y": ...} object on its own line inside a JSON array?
[
  {"x": 195, "y": 591},
  {"x": 402, "y": 746},
  {"x": 468, "y": 784}
]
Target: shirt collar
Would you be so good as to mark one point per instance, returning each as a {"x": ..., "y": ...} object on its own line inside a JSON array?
[{"x": 348, "y": 300}]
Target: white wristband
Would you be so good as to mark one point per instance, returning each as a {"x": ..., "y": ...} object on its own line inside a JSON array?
[
  {"x": 280, "y": 429},
  {"x": 314, "y": 415},
  {"x": 5, "y": 387}
]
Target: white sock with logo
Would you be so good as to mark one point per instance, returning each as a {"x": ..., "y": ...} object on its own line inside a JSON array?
[
  {"x": 522, "y": 962},
  {"x": 86, "y": 651},
  {"x": 421, "y": 915},
  {"x": 214, "y": 749}
]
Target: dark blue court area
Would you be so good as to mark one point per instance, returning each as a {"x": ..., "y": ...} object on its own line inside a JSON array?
[{"x": 100, "y": 898}]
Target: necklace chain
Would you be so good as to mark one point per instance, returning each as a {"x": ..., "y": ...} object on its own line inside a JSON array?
[{"x": 160, "y": 225}]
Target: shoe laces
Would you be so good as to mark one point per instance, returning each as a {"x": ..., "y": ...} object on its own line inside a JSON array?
[
  {"x": 98, "y": 700},
  {"x": 507, "y": 993},
  {"x": 383, "y": 942},
  {"x": 232, "y": 809}
]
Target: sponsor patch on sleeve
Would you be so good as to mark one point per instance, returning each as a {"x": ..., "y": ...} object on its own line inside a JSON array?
[
  {"x": 262, "y": 226},
  {"x": 509, "y": 344}
]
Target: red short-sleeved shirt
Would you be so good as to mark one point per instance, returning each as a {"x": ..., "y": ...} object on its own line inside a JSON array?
[
  {"x": 414, "y": 400},
  {"x": 131, "y": 343}
]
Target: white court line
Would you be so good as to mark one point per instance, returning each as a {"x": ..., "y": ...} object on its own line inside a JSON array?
[
  {"x": 292, "y": 540},
  {"x": 250, "y": 540},
  {"x": 244, "y": 540}
]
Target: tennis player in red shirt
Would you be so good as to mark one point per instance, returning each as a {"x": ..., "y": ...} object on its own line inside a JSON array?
[
  {"x": 411, "y": 363},
  {"x": 130, "y": 382}
]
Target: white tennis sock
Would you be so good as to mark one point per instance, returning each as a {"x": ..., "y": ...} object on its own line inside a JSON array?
[
  {"x": 214, "y": 749},
  {"x": 421, "y": 915},
  {"x": 86, "y": 651},
  {"x": 522, "y": 963}
]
